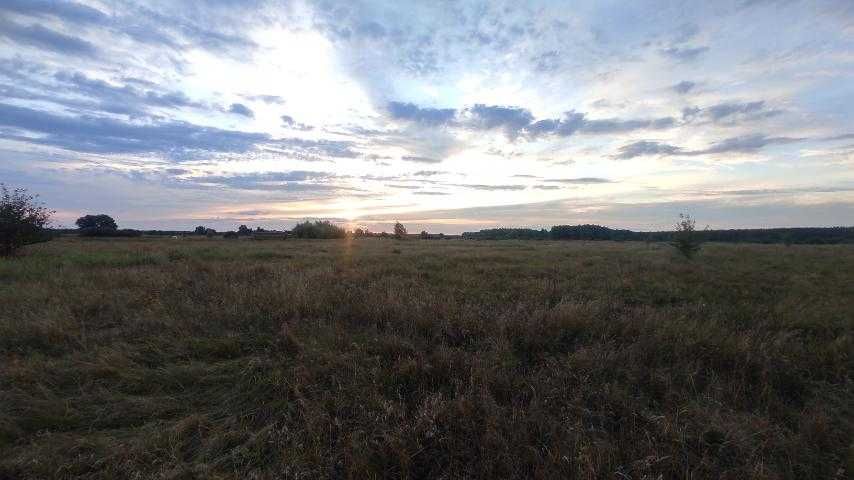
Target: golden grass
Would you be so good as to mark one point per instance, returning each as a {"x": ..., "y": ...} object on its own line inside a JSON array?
[{"x": 373, "y": 358}]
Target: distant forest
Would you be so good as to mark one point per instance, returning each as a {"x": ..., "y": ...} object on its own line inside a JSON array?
[
  {"x": 805, "y": 235},
  {"x": 596, "y": 232}
]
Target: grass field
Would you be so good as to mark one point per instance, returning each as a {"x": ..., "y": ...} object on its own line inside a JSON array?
[{"x": 162, "y": 358}]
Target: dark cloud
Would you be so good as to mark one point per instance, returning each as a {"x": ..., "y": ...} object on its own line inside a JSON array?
[
  {"x": 241, "y": 109},
  {"x": 121, "y": 99},
  {"x": 427, "y": 173},
  {"x": 547, "y": 187},
  {"x": 645, "y": 148},
  {"x": 684, "y": 54},
  {"x": 46, "y": 39},
  {"x": 105, "y": 135},
  {"x": 427, "y": 116},
  {"x": 488, "y": 117},
  {"x": 289, "y": 122},
  {"x": 745, "y": 144},
  {"x": 419, "y": 159},
  {"x": 730, "y": 112},
  {"x": 684, "y": 86},
  {"x": 741, "y": 144},
  {"x": 573, "y": 122},
  {"x": 723, "y": 110},
  {"x": 518, "y": 121}
]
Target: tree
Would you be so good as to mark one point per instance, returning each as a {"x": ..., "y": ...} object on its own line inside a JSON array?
[
  {"x": 97, "y": 222},
  {"x": 22, "y": 220},
  {"x": 685, "y": 238},
  {"x": 244, "y": 230},
  {"x": 399, "y": 230},
  {"x": 424, "y": 235},
  {"x": 318, "y": 229},
  {"x": 200, "y": 230}
]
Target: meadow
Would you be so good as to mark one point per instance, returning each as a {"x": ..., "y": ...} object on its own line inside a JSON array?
[{"x": 376, "y": 358}]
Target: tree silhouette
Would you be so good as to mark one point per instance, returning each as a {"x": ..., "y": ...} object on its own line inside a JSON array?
[
  {"x": 22, "y": 220},
  {"x": 97, "y": 222},
  {"x": 399, "y": 230}
]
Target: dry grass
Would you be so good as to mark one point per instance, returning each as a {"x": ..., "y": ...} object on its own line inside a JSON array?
[{"x": 425, "y": 359}]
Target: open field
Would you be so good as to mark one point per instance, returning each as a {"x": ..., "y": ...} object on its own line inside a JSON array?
[{"x": 161, "y": 358}]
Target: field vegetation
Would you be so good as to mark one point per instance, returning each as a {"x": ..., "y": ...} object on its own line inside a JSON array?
[{"x": 381, "y": 358}]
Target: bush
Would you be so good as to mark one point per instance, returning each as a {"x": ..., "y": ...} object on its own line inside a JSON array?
[
  {"x": 107, "y": 232},
  {"x": 318, "y": 229},
  {"x": 685, "y": 238},
  {"x": 22, "y": 220}
]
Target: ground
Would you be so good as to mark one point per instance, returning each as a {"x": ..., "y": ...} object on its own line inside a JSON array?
[{"x": 378, "y": 358}]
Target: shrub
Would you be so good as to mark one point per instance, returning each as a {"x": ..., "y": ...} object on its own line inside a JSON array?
[
  {"x": 106, "y": 232},
  {"x": 22, "y": 220},
  {"x": 318, "y": 229},
  {"x": 685, "y": 238}
]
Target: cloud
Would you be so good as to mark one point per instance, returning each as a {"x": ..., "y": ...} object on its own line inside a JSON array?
[
  {"x": 547, "y": 62},
  {"x": 120, "y": 99},
  {"x": 46, "y": 39},
  {"x": 684, "y": 86},
  {"x": 426, "y": 116},
  {"x": 419, "y": 159},
  {"x": 730, "y": 112},
  {"x": 745, "y": 144},
  {"x": 573, "y": 122},
  {"x": 105, "y": 135},
  {"x": 517, "y": 121},
  {"x": 489, "y": 187},
  {"x": 241, "y": 109},
  {"x": 684, "y": 54},
  {"x": 73, "y": 12},
  {"x": 289, "y": 122},
  {"x": 488, "y": 117},
  {"x": 430, "y": 193},
  {"x": 314, "y": 150},
  {"x": 580, "y": 180},
  {"x": 645, "y": 148},
  {"x": 547, "y": 187},
  {"x": 427, "y": 173},
  {"x": 741, "y": 144},
  {"x": 273, "y": 99}
]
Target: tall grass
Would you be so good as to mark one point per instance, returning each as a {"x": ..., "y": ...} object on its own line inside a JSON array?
[{"x": 343, "y": 359}]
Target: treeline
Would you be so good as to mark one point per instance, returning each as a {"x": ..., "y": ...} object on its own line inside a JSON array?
[{"x": 808, "y": 235}]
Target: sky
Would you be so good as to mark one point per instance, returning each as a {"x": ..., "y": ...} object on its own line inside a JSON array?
[{"x": 447, "y": 116}]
